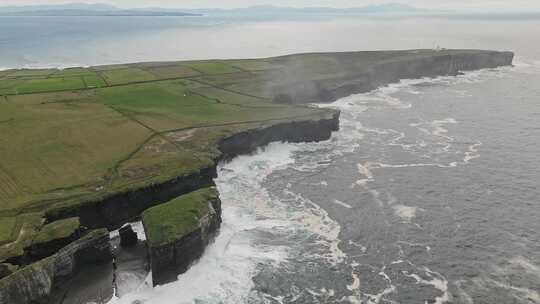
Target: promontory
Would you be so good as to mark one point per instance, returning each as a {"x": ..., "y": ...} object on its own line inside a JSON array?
[{"x": 83, "y": 151}]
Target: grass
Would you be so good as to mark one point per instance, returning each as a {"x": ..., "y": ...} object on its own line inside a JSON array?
[
  {"x": 49, "y": 84},
  {"x": 16, "y": 86},
  {"x": 57, "y": 230},
  {"x": 86, "y": 133},
  {"x": 26, "y": 228},
  {"x": 177, "y": 218},
  {"x": 31, "y": 72},
  {"x": 251, "y": 64},
  {"x": 70, "y": 72},
  {"x": 174, "y": 71},
  {"x": 50, "y": 150},
  {"x": 212, "y": 67},
  {"x": 7, "y": 227},
  {"x": 94, "y": 81},
  {"x": 127, "y": 75}
]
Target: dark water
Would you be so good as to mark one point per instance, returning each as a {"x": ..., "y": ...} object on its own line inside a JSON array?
[{"x": 429, "y": 193}]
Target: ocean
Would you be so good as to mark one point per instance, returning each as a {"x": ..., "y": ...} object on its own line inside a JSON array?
[{"x": 429, "y": 193}]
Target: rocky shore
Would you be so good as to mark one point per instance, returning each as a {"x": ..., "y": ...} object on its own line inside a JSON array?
[
  {"x": 35, "y": 283},
  {"x": 383, "y": 73},
  {"x": 174, "y": 253}
]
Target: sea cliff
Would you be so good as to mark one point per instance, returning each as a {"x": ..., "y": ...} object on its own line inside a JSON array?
[
  {"x": 34, "y": 283},
  {"x": 176, "y": 160},
  {"x": 382, "y": 73}
]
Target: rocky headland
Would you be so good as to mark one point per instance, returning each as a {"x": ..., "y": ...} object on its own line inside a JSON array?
[{"x": 174, "y": 195}]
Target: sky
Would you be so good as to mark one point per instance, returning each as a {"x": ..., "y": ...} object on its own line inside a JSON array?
[{"x": 519, "y": 5}]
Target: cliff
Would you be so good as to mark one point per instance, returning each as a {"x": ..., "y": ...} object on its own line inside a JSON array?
[
  {"x": 208, "y": 112},
  {"x": 178, "y": 232},
  {"x": 115, "y": 210},
  {"x": 379, "y": 73},
  {"x": 34, "y": 283}
]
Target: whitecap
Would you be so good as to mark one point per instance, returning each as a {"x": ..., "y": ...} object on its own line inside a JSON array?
[
  {"x": 338, "y": 202},
  {"x": 405, "y": 212},
  {"x": 436, "y": 280}
]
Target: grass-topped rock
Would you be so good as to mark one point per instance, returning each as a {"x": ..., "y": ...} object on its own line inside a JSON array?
[
  {"x": 178, "y": 231},
  {"x": 36, "y": 282},
  {"x": 52, "y": 237}
]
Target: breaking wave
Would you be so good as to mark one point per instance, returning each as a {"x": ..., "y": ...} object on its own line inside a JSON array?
[{"x": 272, "y": 227}]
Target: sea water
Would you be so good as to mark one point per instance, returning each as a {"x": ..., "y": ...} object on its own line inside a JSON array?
[{"x": 429, "y": 193}]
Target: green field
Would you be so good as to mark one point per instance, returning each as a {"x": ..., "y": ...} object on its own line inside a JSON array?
[
  {"x": 72, "y": 135},
  {"x": 57, "y": 230},
  {"x": 175, "y": 219}
]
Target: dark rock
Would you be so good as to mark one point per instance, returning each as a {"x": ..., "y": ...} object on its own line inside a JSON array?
[
  {"x": 7, "y": 269},
  {"x": 174, "y": 257},
  {"x": 381, "y": 74},
  {"x": 128, "y": 237},
  {"x": 303, "y": 130},
  {"x": 34, "y": 283},
  {"x": 115, "y": 210}
]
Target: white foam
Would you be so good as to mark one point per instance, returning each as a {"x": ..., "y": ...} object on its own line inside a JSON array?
[
  {"x": 365, "y": 170},
  {"x": 317, "y": 221},
  {"x": 472, "y": 152},
  {"x": 437, "y": 281},
  {"x": 355, "y": 285},
  {"x": 526, "y": 294},
  {"x": 224, "y": 272},
  {"x": 362, "y": 247},
  {"x": 137, "y": 228},
  {"x": 526, "y": 264},
  {"x": 405, "y": 212},
  {"x": 463, "y": 295},
  {"x": 438, "y": 127},
  {"x": 376, "y": 298},
  {"x": 526, "y": 65},
  {"x": 338, "y": 202}
]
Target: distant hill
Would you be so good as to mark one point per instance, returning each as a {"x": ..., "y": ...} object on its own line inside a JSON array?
[
  {"x": 55, "y": 7},
  {"x": 110, "y": 13},
  {"x": 283, "y": 10},
  {"x": 82, "y": 9}
]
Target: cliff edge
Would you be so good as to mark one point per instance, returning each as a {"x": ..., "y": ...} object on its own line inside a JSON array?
[{"x": 152, "y": 133}]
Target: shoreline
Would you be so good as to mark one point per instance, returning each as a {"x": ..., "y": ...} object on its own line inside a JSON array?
[{"x": 116, "y": 209}]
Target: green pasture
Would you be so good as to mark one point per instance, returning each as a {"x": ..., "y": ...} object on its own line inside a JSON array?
[
  {"x": 68, "y": 136},
  {"x": 173, "y": 220}
]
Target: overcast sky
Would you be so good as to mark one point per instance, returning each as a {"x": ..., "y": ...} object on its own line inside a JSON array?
[{"x": 523, "y": 5}]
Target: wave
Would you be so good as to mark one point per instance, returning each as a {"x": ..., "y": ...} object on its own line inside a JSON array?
[{"x": 272, "y": 227}]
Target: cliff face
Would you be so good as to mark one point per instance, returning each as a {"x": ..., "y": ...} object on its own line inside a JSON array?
[
  {"x": 173, "y": 254},
  {"x": 34, "y": 283},
  {"x": 386, "y": 72},
  {"x": 174, "y": 257},
  {"x": 117, "y": 209},
  {"x": 296, "y": 131}
]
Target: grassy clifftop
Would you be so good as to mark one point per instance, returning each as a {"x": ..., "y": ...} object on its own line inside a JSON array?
[
  {"x": 79, "y": 134},
  {"x": 175, "y": 219}
]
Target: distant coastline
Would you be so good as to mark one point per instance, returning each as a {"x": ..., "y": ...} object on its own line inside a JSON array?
[{"x": 92, "y": 13}]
